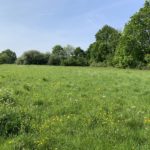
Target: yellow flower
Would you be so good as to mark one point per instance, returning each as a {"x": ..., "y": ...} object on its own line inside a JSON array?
[
  {"x": 147, "y": 120},
  {"x": 10, "y": 142}
]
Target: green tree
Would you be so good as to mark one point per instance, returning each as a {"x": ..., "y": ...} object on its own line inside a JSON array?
[
  {"x": 134, "y": 45},
  {"x": 33, "y": 57},
  {"x": 54, "y": 60},
  {"x": 57, "y": 56},
  {"x": 7, "y": 57},
  {"x": 76, "y": 57},
  {"x": 68, "y": 50},
  {"x": 58, "y": 51},
  {"x": 104, "y": 48},
  {"x": 78, "y": 52}
]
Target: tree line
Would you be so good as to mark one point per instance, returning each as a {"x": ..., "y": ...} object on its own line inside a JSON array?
[{"x": 127, "y": 49}]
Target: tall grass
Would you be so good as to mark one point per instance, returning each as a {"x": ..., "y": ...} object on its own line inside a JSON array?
[{"x": 74, "y": 108}]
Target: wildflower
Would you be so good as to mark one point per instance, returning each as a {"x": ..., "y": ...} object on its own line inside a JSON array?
[
  {"x": 10, "y": 142},
  {"x": 147, "y": 120}
]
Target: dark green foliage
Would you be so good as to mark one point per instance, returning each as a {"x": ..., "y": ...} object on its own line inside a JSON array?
[
  {"x": 104, "y": 48},
  {"x": 54, "y": 60},
  {"x": 147, "y": 58},
  {"x": 69, "y": 50},
  {"x": 33, "y": 57},
  {"x": 58, "y": 51},
  {"x": 78, "y": 58},
  {"x": 45, "y": 79},
  {"x": 70, "y": 61},
  {"x": 9, "y": 124},
  {"x": 78, "y": 52},
  {"x": 58, "y": 54},
  {"x": 134, "y": 45},
  {"x": 7, "y": 57},
  {"x": 73, "y": 61},
  {"x": 67, "y": 56},
  {"x": 39, "y": 103},
  {"x": 12, "y": 122}
]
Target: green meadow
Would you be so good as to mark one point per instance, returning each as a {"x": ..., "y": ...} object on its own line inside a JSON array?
[{"x": 74, "y": 108}]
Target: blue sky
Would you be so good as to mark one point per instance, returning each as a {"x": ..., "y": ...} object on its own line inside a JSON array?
[{"x": 41, "y": 24}]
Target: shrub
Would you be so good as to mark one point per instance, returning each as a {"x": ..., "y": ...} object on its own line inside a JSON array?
[
  {"x": 13, "y": 122},
  {"x": 54, "y": 60},
  {"x": 33, "y": 57},
  {"x": 7, "y": 57},
  {"x": 72, "y": 61}
]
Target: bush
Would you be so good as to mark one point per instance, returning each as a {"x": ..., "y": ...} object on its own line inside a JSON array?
[
  {"x": 12, "y": 122},
  {"x": 7, "y": 57},
  {"x": 33, "y": 57},
  {"x": 54, "y": 60},
  {"x": 72, "y": 61}
]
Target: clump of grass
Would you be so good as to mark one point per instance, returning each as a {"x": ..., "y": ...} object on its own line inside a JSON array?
[
  {"x": 27, "y": 87},
  {"x": 18, "y": 92},
  {"x": 135, "y": 123},
  {"x": 10, "y": 124},
  {"x": 2, "y": 76},
  {"x": 44, "y": 79},
  {"x": 24, "y": 142},
  {"x": 6, "y": 97},
  {"x": 13, "y": 122},
  {"x": 38, "y": 103}
]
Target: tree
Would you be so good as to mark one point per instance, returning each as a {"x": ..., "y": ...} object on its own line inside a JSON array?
[
  {"x": 134, "y": 45},
  {"x": 74, "y": 57},
  {"x": 33, "y": 57},
  {"x": 69, "y": 50},
  {"x": 7, "y": 57},
  {"x": 54, "y": 60},
  {"x": 104, "y": 48},
  {"x": 58, "y": 51},
  {"x": 75, "y": 61},
  {"x": 78, "y": 52},
  {"x": 147, "y": 1},
  {"x": 57, "y": 56}
]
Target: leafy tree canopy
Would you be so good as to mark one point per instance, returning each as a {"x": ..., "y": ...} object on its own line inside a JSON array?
[
  {"x": 33, "y": 57},
  {"x": 7, "y": 57},
  {"x": 134, "y": 45},
  {"x": 103, "y": 49}
]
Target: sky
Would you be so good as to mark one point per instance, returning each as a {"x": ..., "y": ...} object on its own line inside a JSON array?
[{"x": 41, "y": 24}]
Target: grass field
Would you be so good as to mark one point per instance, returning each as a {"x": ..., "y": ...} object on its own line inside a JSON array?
[{"x": 74, "y": 108}]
